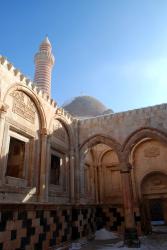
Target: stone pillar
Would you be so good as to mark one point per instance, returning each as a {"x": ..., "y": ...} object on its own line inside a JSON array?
[
  {"x": 43, "y": 187},
  {"x": 95, "y": 167},
  {"x": 72, "y": 166},
  {"x": 130, "y": 235},
  {"x": 77, "y": 163},
  {"x": 100, "y": 183},
  {"x": 3, "y": 110}
]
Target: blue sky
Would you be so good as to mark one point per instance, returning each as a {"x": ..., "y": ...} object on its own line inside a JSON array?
[{"x": 115, "y": 50}]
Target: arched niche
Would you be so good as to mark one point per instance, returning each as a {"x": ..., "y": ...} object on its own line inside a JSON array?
[
  {"x": 139, "y": 135},
  {"x": 92, "y": 172},
  {"x": 153, "y": 200},
  {"x": 59, "y": 134},
  {"x": 148, "y": 155},
  {"x": 146, "y": 149},
  {"x": 23, "y": 110},
  {"x": 23, "y": 102},
  {"x": 58, "y": 161},
  {"x": 154, "y": 185},
  {"x": 112, "y": 178},
  {"x": 20, "y": 155}
]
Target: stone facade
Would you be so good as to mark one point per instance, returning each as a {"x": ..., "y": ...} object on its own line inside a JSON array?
[{"x": 113, "y": 165}]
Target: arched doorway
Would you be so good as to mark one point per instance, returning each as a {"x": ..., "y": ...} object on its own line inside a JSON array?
[
  {"x": 100, "y": 171},
  {"x": 147, "y": 152},
  {"x": 154, "y": 200}
]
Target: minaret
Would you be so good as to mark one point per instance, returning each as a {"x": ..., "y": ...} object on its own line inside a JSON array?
[{"x": 44, "y": 61}]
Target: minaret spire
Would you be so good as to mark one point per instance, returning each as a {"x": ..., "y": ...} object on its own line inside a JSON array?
[{"x": 44, "y": 61}]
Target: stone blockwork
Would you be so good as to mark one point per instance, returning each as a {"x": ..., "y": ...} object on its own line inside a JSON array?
[
  {"x": 38, "y": 227},
  {"x": 110, "y": 217},
  {"x": 120, "y": 126},
  {"x": 83, "y": 221},
  {"x": 41, "y": 226}
]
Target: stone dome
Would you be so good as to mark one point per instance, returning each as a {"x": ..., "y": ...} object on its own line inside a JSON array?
[{"x": 86, "y": 106}]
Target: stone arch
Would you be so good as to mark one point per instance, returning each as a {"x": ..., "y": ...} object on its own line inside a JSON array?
[
  {"x": 152, "y": 173},
  {"x": 67, "y": 127},
  {"x": 100, "y": 138},
  {"x": 139, "y": 135},
  {"x": 85, "y": 173},
  {"x": 61, "y": 145},
  {"x": 154, "y": 183},
  {"x": 153, "y": 189},
  {"x": 33, "y": 97},
  {"x": 102, "y": 155}
]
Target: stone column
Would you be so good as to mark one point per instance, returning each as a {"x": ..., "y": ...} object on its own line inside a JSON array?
[
  {"x": 130, "y": 235},
  {"x": 3, "y": 110},
  {"x": 95, "y": 167},
  {"x": 43, "y": 188},
  {"x": 72, "y": 166},
  {"x": 100, "y": 183},
  {"x": 77, "y": 179}
]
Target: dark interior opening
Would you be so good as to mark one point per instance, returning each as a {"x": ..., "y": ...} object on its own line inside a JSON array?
[
  {"x": 16, "y": 156},
  {"x": 156, "y": 211},
  {"x": 55, "y": 170}
]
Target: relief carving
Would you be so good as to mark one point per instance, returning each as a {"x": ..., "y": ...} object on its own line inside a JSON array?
[
  {"x": 23, "y": 106},
  {"x": 152, "y": 152}
]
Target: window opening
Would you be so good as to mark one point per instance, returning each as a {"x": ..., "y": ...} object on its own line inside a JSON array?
[
  {"x": 16, "y": 156},
  {"x": 55, "y": 170}
]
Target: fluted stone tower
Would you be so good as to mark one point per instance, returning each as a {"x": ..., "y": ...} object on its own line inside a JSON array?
[{"x": 44, "y": 61}]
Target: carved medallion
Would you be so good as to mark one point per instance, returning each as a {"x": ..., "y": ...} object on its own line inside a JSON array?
[
  {"x": 23, "y": 106},
  {"x": 152, "y": 152}
]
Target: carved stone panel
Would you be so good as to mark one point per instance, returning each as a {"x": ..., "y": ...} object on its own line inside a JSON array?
[{"x": 23, "y": 106}]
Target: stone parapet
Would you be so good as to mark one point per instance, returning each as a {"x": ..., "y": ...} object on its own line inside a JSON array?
[{"x": 21, "y": 79}]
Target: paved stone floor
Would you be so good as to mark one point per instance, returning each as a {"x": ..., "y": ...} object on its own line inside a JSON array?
[{"x": 155, "y": 241}]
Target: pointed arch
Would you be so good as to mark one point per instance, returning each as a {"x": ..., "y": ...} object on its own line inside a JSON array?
[
  {"x": 152, "y": 173},
  {"x": 100, "y": 138},
  {"x": 34, "y": 98},
  {"x": 67, "y": 127},
  {"x": 139, "y": 135}
]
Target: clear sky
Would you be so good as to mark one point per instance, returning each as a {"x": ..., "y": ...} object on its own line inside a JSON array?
[{"x": 115, "y": 50}]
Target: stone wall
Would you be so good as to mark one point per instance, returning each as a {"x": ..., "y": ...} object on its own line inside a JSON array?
[
  {"x": 41, "y": 226},
  {"x": 120, "y": 126}
]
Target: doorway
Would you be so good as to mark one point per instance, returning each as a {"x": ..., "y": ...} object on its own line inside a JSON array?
[{"x": 156, "y": 212}]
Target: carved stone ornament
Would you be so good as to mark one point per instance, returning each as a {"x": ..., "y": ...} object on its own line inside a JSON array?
[
  {"x": 23, "y": 106},
  {"x": 152, "y": 152}
]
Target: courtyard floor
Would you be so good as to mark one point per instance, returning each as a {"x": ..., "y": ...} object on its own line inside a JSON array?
[{"x": 155, "y": 241}]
